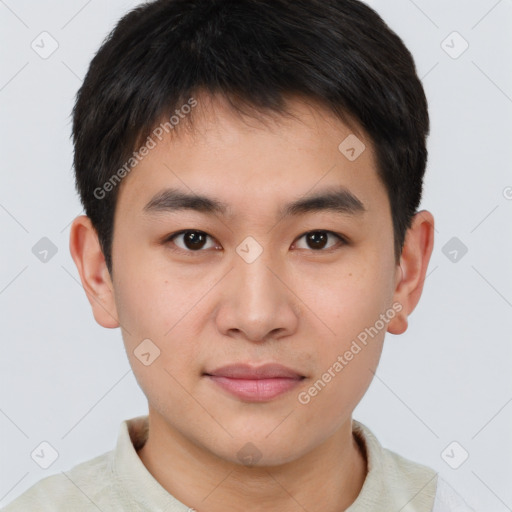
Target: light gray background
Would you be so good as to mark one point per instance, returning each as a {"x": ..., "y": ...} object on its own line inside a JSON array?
[{"x": 67, "y": 381}]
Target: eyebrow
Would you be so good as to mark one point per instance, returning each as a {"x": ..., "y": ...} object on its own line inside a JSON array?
[{"x": 339, "y": 200}]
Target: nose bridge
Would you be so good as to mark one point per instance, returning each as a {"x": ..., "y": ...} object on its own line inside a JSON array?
[
  {"x": 255, "y": 277},
  {"x": 258, "y": 303}
]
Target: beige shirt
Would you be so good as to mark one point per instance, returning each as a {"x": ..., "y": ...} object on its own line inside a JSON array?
[{"x": 119, "y": 481}]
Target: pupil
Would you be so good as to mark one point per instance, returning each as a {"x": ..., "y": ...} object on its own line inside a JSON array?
[
  {"x": 194, "y": 240},
  {"x": 317, "y": 239}
]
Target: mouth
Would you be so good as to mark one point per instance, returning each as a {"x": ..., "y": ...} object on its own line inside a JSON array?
[{"x": 255, "y": 384}]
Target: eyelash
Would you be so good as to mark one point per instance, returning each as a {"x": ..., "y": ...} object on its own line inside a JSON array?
[{"x": 342, "y": 239}]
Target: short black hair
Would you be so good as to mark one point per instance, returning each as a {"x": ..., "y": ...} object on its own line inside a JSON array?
[{"x": 256, "y": 54}]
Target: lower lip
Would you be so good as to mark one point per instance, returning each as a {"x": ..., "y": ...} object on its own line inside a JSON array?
[{"x": 256, "y": 390}]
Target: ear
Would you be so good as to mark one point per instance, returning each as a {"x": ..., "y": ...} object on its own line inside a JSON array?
[
  {"x": 88, "y": 257},
  {"x": 416, "y": 252}
]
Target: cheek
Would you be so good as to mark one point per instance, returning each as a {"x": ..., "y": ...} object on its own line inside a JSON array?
[
  {"x": 345, "y": 366},
  {"x": 349, "y": 303},
  {"x": 150, "y": 298},
  {"x": 157, "y": 321},
  {"x": 345, "y": 299},
  {"x": 154, "y": 309},
  {"x": 331, "y": 398},
  {"x": 169, "y": 310}
]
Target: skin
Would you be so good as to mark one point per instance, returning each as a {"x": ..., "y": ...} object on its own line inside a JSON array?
[{"x": 295, "y": 305}]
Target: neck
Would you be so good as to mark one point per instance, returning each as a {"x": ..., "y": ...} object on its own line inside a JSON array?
[{"x": 329, "y": 478}]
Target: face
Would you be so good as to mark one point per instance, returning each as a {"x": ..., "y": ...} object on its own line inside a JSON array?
[{"x": 244, "y": 280}]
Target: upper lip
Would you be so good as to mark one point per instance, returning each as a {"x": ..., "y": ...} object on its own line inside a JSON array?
[{"x": 249, "y": 372}]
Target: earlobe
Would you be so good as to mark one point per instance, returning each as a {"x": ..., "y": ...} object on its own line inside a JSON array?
[
  {"x": 88, "y": 257},
  {"x": 411, "y": 272}
]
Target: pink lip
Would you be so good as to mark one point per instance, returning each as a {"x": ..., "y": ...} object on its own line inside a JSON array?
[{"x": 255, "y": 384}]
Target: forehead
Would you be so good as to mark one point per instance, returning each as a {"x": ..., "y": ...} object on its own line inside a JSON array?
[{"x": 252, "y": 163}]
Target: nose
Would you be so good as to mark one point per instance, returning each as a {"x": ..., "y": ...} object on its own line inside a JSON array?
[{"x": 257, "y": 303}]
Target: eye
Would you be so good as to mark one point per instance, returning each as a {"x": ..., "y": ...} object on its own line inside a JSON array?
[
  {"x": 191, "y": 240},
  {"x": 195, "y": 241},
  {"x": 317, "y": 240}
]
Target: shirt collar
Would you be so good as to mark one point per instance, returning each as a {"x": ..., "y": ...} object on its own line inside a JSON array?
[
  {"x": 392, "y": 482},
  {"x": 137, "y": 483}
]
